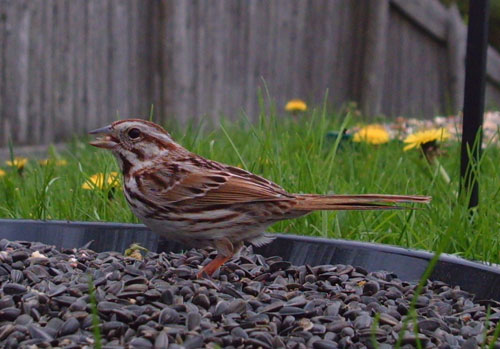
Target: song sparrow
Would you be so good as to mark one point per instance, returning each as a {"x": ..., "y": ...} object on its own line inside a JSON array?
[{"x": 200, "y": 202}]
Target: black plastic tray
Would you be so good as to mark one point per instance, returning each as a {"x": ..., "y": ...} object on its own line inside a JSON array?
[{"x": 409, "y": 265}]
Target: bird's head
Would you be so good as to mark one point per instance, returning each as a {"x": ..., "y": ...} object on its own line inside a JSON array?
[{"x": 134, "y": 140}]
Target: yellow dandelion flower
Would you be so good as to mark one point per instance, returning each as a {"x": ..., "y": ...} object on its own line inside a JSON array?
[
  {"x": 18, "y": 162},
  {"x": 296, "y": 105},
  {"x": 102, "y": 181},
  {"x": 2, "y": 173},
  {"x": 58, "y": 162},
  {"x": 423, "y": 137},
  {"x": 372, "y": 134}
]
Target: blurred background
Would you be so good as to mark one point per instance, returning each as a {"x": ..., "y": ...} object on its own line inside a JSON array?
[{"x": 68, "y": 66}]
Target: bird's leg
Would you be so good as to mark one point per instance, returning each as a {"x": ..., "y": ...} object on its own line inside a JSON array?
[
  {"x": 226, "y": 251},
  {"x": 211, "y": 267}
]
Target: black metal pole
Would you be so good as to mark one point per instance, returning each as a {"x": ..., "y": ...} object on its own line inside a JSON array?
[{"x": 475, "y": 79}]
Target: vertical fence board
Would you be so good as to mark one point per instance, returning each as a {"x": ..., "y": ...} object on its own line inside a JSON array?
[
  {"x": 94, "y": 51},
  {"x": 62, "y": 111},
  {"x": 183, "y": 66},
  {"x": 16, "y": 14},
  {"x": 343, "y": 52},
  {"x": 228, "y": 61},
  {"x": 259, "y": 19},
  {"x": 407, "y": 48},
  {"x": 456, "y": 58},
  {"x": 388, "y": 79},
  {"x": 133, "y": 64},
  {"x": 156, "y": 71},
  {"x": 166, "y": 47},
  {"x": 78, "y": 30},
  {"x": 36, "y": 103},
  {"x": 204, "y": 18},
  {"x": 239, "y": 51},
  {"x": 357, "y": 29},
  {"x": 120, "y": 103},
  {"x": 326, "y": 54},
  {"x": 140, "y": 68},
  {"x": 492, "y": 95},
  {"x": 374, "y": 55},
  {"x": 493, "y": 79},
  {"x": 298, "y": 63},
  {"x": 3, "y": 35}
]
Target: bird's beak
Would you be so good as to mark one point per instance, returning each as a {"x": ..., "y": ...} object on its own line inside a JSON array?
[{"x": 107, "y": 141}]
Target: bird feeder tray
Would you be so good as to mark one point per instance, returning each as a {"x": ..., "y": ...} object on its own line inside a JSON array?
[{"x": 409, "y": 265}]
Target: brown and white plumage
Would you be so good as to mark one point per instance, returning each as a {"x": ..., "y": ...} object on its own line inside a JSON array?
[{"x": 201, "y": 202}]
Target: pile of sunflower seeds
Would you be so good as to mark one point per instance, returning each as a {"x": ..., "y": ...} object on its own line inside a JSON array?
[{"x": 155, "y": 301}]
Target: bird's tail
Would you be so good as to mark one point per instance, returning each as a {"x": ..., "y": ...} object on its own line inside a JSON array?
[{"x": 312, "y": 202}]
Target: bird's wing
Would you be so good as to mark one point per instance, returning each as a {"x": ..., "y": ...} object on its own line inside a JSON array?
[{"x": 207, "y": 186}]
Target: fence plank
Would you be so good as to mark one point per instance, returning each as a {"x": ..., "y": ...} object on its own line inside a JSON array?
[
  {"x": 15, "y": 51},
  {"x": 493, "y": 80},
  {"x": 38, "y": 49},
  {"x": 64, "y": 74},
  {"x": 456, "y": 58},
  {"x": 3, "y": 40},
  {"x": 374, "y": 57},
  {"x": 78, "y": 29},
  {"x": 493, "y": 71},
  {"x": 259, "y": 19}
]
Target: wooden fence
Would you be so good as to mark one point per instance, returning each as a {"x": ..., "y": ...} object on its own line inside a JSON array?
[{"x": 68, "y": 66}]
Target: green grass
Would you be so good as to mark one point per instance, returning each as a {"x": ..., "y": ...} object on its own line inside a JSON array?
[
  {"x": 296, "y": 155},
  {"x": 96, "y": 330}
]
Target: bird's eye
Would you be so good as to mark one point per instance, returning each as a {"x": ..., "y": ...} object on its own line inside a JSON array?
[{"x": 134, "y": 133}]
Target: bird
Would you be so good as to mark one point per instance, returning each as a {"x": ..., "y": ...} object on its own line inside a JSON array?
[{"x": 204, "y": 203}]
